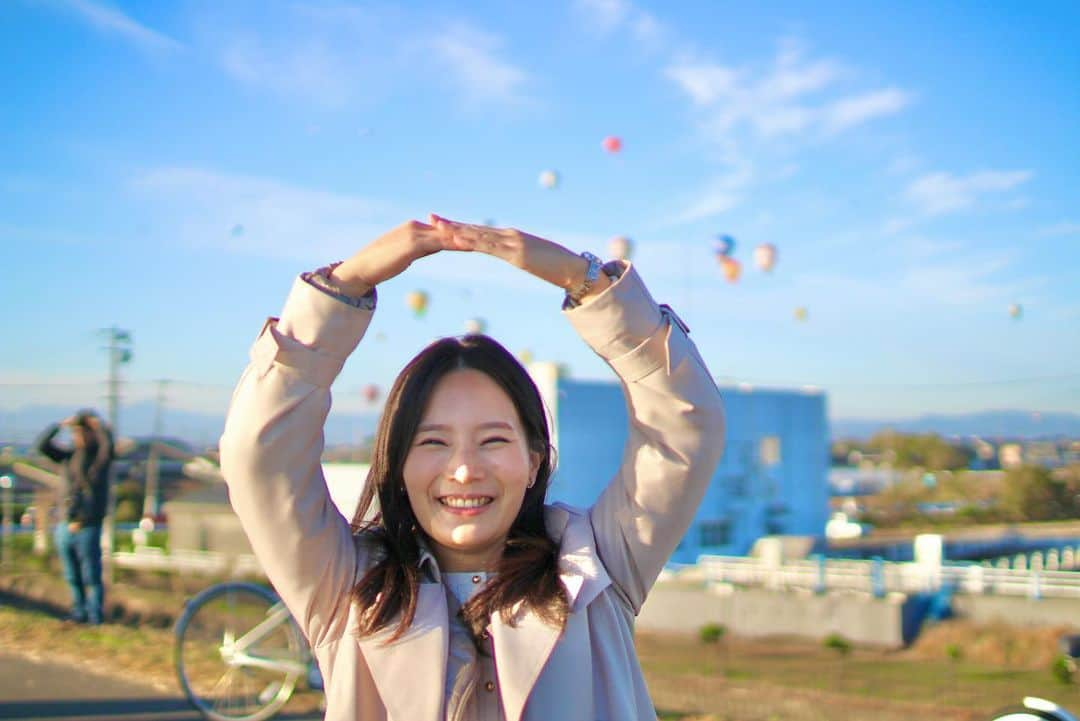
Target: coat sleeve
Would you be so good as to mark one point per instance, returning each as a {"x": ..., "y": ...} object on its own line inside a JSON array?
[
  {"x": 675, "y": 438},
  {"x": 46, "y": 447},
  {"x": 271, "y": 450}
]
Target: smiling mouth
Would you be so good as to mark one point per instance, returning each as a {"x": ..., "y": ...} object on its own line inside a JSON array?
[{"x": 470, "y": 502}]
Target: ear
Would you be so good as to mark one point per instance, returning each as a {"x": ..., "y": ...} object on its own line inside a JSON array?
[{"x": 534, "y": 465}]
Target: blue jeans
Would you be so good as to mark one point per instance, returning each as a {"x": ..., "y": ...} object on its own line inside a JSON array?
[{"x": 80, "y": 554}]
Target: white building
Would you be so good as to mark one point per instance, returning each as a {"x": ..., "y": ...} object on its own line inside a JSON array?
[{"x": 773, "y": 478}]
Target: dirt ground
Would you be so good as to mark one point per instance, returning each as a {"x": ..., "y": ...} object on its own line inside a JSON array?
[{"x": 733, "y": 680}]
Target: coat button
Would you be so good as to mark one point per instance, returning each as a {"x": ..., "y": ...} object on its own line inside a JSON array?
[
  {"x": 489, "y": 686},
  {"x": 476, "y": 579}
]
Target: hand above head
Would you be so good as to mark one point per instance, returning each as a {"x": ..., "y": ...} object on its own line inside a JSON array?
[
  {"x": 543, "y": 258},
  {"x": 390, "y": 254}
]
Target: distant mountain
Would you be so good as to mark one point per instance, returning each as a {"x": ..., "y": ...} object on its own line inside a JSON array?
[
  {"x": 204, "y": 429},
  {"x": 198, "y": 429},
  {"x": 985, "y": 424}
]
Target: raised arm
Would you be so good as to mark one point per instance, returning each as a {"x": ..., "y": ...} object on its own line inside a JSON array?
[
  {"x": 273, "y": 440},
  {"x": 676, "y": 433},
  {"x": 675, "y": 438},
  {"x": 46, "y": 447}
]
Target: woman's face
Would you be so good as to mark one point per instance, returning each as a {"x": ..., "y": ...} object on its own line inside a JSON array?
[{"x": 467, "y": 470}]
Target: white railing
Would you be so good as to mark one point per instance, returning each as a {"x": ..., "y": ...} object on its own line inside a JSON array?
[
  {"x": 149, "y": 558},
  {"x": 883, "y": 577}
]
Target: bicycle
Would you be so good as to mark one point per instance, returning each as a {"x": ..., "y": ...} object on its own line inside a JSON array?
[
  {"x": 1034, "y": 709},
  {"x": 239, "y": 654}
]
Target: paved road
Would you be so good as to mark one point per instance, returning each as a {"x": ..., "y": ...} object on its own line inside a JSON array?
[{"x": 46, "y": 691}]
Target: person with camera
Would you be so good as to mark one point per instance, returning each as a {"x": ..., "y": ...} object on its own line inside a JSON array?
[{"x": 84, "y": 494}]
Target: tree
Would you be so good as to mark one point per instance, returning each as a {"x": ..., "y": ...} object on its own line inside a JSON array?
[
  {"x": 929, "y": 451},
  {"x": 1034, "y": 493}
]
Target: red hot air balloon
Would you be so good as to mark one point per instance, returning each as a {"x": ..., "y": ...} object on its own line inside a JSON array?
[
  {"x": 371, "y": 393},
  {"x": 612, "y": 144}
]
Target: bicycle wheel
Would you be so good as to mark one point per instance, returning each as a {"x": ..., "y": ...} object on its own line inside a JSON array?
[
  {"x": 1033, "y": 709},
  {"x": 238, "y": 653}
]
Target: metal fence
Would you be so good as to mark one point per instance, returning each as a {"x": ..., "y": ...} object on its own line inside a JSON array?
[
  {"x": 151, "y": 558},
  {"x": 1055, "y": 577}
]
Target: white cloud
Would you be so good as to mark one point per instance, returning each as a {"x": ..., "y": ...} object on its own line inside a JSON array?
[
  {"x": 602, "y": 16},
  {"x": 965, "y": 281},
  {"x": 336, "y": 56},
  {"x": 856, "y": 110},
  {"x": 311, "y": 70},
  {"x": 111, "y": 20},
  {"x": 261, "y": 216},
  {"x": 1062, "y": 229},
  {"x": 471, "y": 57},
  {"x": 783, "y": 101},
  {"x": 720, "y": 195},
  {"x": 942, "y": 193},
  {"x": 605, "y": 17}
]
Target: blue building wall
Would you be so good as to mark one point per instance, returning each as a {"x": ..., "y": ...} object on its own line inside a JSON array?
[{"x": 773, "y": 478}]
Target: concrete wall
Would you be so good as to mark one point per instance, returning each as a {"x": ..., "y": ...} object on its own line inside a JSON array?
[
  {"x": 1018, "y": 611},
  {"x": 890, "y": 622},
  {"x": 861, "y": 619}
]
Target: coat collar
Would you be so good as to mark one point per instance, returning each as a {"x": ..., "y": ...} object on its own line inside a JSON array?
[
  {"x": 410, "y": 673},
  {"x": 521, "y": 647}
]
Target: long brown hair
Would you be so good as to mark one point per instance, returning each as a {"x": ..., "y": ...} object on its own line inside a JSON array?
[{"x": 528, "y": 568}]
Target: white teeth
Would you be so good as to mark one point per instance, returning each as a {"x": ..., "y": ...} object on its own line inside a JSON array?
[{"x": 454, "y": 502}]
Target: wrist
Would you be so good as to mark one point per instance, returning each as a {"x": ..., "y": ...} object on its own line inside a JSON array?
[
  {"x": 585, "y": 278},
  {"x": 348, "y": 281}
]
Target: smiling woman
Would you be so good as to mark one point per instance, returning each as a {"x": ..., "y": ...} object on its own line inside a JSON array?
[{"x": 456, "y": 593}]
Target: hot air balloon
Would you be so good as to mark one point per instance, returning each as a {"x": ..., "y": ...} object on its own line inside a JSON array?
[
  {"x": 371, "y": 393},
  {"x": 724, "y": 245},
  {"x": 801, "y": 314},
  {"x": 525, "y": 356},
  {"x": 475, "y": 325},
  {"x": 1016, "y": 311},
  {"x": 620, "y": 247},
  {"x": 731, "y": 268},
  {"x": 237, "y": 230},
  {"x": 612, "y": 144},
  {"x": 548, "y": 179},
  {"x": 417, "y": 302},
  {"x": 765, "y": 256}
]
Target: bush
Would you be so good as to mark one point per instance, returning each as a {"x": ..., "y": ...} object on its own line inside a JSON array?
[
  {"x": 838, "y": 643},
  {"x": 711, "y": 633},
  {"x": 1061, "y": 670},
  {"x": 954, "y": 651},
  {"x": 128, "y": 511}
]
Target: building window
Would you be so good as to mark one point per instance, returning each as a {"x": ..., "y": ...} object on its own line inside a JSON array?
[
  {"x": 769, "y": 451},
  {"x": 714, "y": 533}
]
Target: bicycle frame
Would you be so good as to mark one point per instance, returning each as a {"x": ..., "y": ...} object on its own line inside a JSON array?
[{"x": 233, "y": 651}]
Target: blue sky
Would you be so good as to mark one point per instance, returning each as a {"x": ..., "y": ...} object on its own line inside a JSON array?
[{"x": 917, "y": 168}]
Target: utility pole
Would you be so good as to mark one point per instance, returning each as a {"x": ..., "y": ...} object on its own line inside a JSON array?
[
  {"x": 153, "y": 460},
  {"x": 159, "y": 409},
  {"x": 119, "y": 349}
]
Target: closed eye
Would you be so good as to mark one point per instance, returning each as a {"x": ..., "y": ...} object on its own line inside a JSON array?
[
  {"x": 431, "y": 442},
  {"x": 496, "y": 439}
]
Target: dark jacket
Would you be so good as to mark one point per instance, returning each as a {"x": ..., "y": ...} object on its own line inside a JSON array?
[{"x": 85, "y": 473}]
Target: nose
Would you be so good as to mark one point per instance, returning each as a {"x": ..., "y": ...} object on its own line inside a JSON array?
[{"x": 465, "y": 467}]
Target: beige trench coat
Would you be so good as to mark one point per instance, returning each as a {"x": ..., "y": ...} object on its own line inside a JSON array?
[{"x": 611, "y": 553}]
